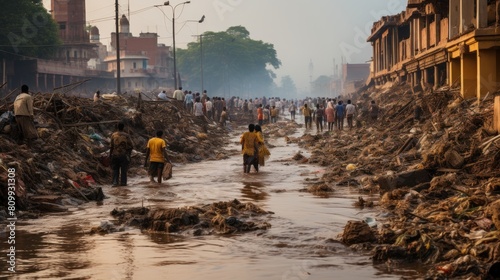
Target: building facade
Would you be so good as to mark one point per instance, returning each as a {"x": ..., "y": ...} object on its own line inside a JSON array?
[
  {"x": 434, "y": 43},
  {"x": 145, "y": 64}
]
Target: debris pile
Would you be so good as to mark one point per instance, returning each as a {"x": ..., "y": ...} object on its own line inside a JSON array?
[
  {"x": 70, "y": 160},
  {"x": 216, "y": 218},
  {"x": 437, "y": 173}
]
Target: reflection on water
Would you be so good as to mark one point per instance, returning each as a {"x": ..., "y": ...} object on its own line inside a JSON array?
[
  {"x": 254, "y": 191},
  {"x": 299, "y": 245}
]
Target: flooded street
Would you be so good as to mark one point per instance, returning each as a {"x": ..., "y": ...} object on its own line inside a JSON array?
[{"x": 299, "y": 245}]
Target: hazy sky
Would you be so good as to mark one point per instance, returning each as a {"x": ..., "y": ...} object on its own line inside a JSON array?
[{"x": 317, "y": 30}]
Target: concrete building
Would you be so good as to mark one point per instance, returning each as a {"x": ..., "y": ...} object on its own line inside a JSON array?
[
  {"x": 433, "y": 43},
  {"x": 97, "y": 63},
  {"x": 354, "y": 76},
  {"x": 144, "y": 62},
  {"x": 70, "y": 17},
  {"x": 70, "y": 63},
  {"x": 474, "y": 47},
  {"x": 411, "y": 46}
]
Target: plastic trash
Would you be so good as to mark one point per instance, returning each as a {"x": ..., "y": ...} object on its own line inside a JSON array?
[
  {"x": 96, "y": 137},
  {"x": 351, "y": 167},
  {"x": 6, "y": 118},
  {"x": 371, "y": 222}
]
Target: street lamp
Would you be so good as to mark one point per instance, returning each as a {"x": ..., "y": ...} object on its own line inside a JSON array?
[{"x": 173, "y": 35}]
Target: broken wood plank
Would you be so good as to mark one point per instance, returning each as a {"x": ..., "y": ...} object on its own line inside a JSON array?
[
  {"x": 406, "y": 144},
  {"x": 10, "y": 93},
  {"x": 490, "y": 140}
]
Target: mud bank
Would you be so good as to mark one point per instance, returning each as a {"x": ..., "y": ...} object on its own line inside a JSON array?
[{"x": 69, "y": 161}]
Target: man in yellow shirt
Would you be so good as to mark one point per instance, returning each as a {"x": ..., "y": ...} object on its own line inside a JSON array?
[
  {"x": 249, "y": 142},
  {"x": 157, "y": 153},
  {"x": 306, "y": 111}
]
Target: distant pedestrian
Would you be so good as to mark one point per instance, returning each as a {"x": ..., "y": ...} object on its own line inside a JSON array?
[
  {"x": 162, "y": 96},
  {"x": 249, "y": 142},
  {"x": 97, "y": 96},
  {"x": 306, "y": 111},
  {"x": 319, "y": 114},
  {"x": 330, "y": 115},
  {"x": 208, "y": 108},
  {"x": 156, "y": 152},
  {"x": 350, "y": 112},
  {"x": 120, "y": 152},
  {"x": 198, "y": 108},
  {"x": 292, "y": 110},
  {"x": 179, "y": 95},
  {"x": 374, "y": 111},
  {"x": 418, "y": 112},
  {"x": 188, "y": 99},
  {"x": 223, "y": 117},
  {"x": 23, "y": 111},
  {"x": 267, "y": 114},
  {"x": 262, "y": 151},
  {"x": 260, "y": 115},
  {"x": 339, "y": 115},
  {"x": 275, "y": 111}
]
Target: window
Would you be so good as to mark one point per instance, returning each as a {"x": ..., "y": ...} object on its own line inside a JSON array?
[
  {"x": 75, "y": 54},
  {"x": 62, "y": 25},
  {"x": 135, "y": 65}
]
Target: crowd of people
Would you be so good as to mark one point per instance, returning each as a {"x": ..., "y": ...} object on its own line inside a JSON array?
[
  {"x": 327, "y": 113},
  {"x": 201, "y": 105}
]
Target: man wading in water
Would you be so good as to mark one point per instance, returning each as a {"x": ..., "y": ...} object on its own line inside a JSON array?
[
  {"x": 120, "y": 152},
  {"x": 249, "y": 142},
  {"x": 157, "y": 153}
]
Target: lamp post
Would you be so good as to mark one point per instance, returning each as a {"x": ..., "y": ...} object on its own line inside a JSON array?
[{"x": 173, "y": 35}]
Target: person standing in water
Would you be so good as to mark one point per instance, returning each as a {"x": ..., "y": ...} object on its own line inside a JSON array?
[
  {"x": 249, "y": 142},
  {"x": 156, "y": 151},
  {"x": 262, "y": 151}
]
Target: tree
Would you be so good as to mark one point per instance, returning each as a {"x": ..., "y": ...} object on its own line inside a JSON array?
[
  {"x": 27, "y": 29},
  {"x": 233, "y": 63}
]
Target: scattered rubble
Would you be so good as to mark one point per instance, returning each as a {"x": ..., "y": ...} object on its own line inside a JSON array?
[
  {"x": 216, "y": 218},
  {"x": 437, "y": 176},
  {"x": 70, "y": 159}
]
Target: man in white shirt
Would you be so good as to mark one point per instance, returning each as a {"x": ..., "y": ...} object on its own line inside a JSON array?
[
  {"x": 198, "y": 108},
  {"x": 350, "y": 111},
  {"x": 162, "y": 95},
  {"x": 209, "y": 107},
  {"x": 23, "y": 110},
  {"x": 178, "y": 94}
]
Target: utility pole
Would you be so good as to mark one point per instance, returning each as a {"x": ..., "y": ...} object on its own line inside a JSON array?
[
  {"x": 118, "y": 68},
  {"x": 201, "y": 62}
]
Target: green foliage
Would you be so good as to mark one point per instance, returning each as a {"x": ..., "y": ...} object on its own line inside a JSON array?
[
  {"x": 233, "y": 64},
  {"x": 27, "y": 29}
]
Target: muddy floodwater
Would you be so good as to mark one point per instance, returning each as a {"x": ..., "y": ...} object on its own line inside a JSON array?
[{"x": 299, "y": 245}]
